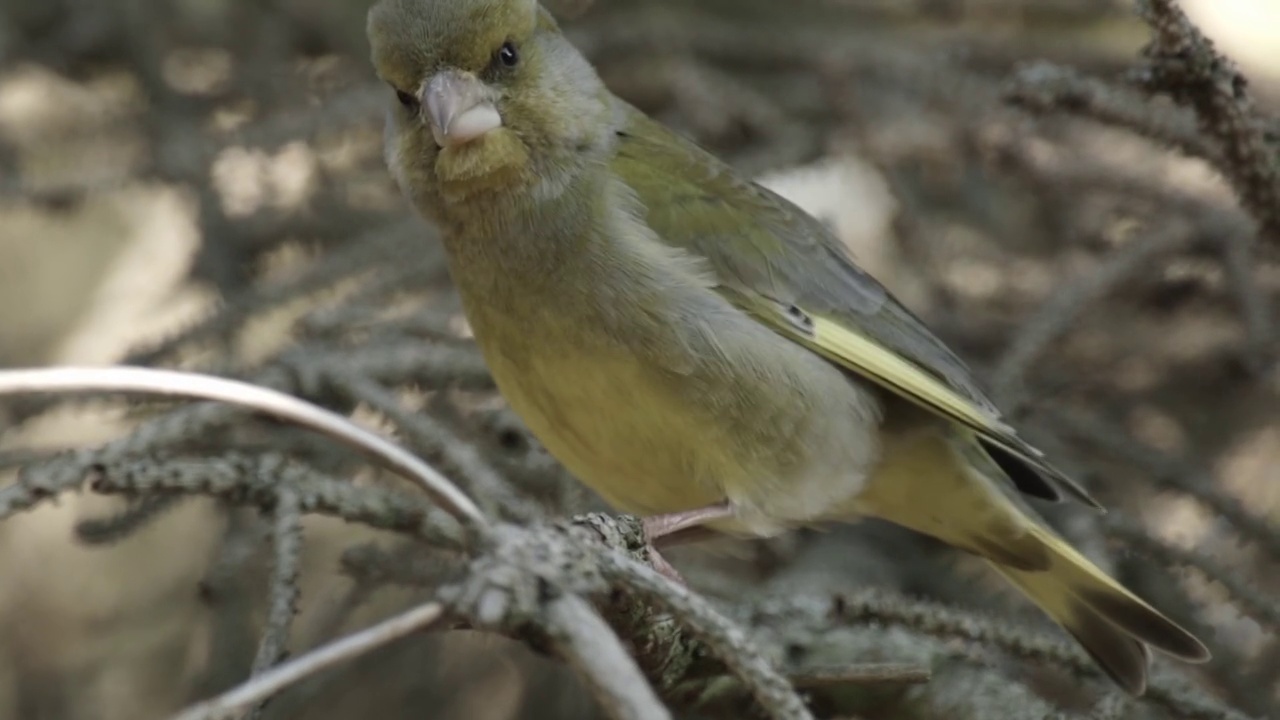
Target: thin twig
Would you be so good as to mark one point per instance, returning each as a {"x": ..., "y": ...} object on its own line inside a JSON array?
[
  {"x": 255, "y": 481},
  {"x": 940, "y": 621},
  {"x": 433, "y": 439},
  {"x": 235, "y": 701},
  {"x": 1181, "y": 474},
  {"x": 1238, "y": 260},
  {"x": 861, "y": 674},
  {"x": 1255, "y": 601},
  {"x": 286, "y": 535},
  {"x": 117, "y": 527},
  {"x": 1185, "y": 64},
  {"x": 1045, "y": 88},
  {"x": 1056, "y": 315}
]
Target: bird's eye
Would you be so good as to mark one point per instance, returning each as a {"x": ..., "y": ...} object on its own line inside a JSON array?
[
  {"x": 407, "y": 101},
  {"x": 507, "y": 54}
]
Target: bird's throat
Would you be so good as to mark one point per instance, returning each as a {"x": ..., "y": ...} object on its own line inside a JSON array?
[
  {"x": 520, "y": 247},
  {"x": 495, "y": 164}
]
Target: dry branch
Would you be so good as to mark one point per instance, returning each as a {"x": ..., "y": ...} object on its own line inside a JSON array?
[{"x": 1184, "y": 64}]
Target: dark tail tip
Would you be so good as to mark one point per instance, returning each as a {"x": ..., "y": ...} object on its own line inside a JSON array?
[
  {"x": 1121, "y": 657},
  {"x": 1148, "y": 626},
  {"x": 1036, "y": 477}
]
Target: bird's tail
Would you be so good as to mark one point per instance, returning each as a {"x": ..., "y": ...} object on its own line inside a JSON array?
[
  {"x": 943, "y": 484},
  {"x": 1114, "y": 625}
]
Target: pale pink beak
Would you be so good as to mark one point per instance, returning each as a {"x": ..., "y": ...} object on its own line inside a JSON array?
[{"x": 459, "y": 108}]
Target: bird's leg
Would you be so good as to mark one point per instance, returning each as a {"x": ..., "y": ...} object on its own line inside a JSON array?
[{"x": 674, "y": 528}]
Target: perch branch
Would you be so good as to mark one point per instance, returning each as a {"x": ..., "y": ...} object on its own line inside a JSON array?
[
  {"x": 724, "y": 638},
  {"x": 591, "y": 648}
]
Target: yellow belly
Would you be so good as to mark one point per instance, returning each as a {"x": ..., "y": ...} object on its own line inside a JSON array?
[
  {"x": 614, "y": 423},
  {"x": 777, "y": 432}
]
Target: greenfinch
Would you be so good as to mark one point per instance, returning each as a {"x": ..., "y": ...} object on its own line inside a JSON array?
[{"x": 695, "y": 348}]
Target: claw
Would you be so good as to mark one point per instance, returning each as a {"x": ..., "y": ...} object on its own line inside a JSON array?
[{"x": 664, "y": 568}]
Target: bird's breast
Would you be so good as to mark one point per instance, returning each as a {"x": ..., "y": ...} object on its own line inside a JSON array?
[
  {"x": 644, "y": 381},
  {"x": 674, "y": 418},
  {"x": 610, "y": 416}
]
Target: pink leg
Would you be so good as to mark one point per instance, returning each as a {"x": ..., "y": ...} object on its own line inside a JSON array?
[
  {"x": 660, "y": 526},
  {"x": 657, "y": 527}
]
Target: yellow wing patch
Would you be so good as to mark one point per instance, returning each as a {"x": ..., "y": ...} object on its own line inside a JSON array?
[
  {"x": 849, "y": 348},
  {"x": 845, "y": 346},
  {"x": 867, "y": 357}
]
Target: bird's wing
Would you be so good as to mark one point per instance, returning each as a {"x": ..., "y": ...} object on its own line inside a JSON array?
[{"x": 788, "y": 270}]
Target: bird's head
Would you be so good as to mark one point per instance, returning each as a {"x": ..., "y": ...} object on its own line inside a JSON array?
[{"x": 488, "y": 97}]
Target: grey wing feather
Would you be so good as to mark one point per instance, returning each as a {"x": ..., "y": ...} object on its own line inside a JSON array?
[
  {"x": 783, "y": 252},
  {"x": 757, "y": 241}
]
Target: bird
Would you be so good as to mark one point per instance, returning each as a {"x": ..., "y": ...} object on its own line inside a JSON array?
[{"x": 693, "y": 347}]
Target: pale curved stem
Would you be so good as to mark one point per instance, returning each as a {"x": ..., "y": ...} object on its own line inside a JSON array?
[
  {"x": 235, "y": 701},
  {"x": 191, "y": 385}
]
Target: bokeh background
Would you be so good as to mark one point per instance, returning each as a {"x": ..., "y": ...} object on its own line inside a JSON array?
[{"x": 198, "y": 183}]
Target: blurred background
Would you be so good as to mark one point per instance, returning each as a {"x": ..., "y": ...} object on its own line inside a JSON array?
[{"x": 198, "y": 183}]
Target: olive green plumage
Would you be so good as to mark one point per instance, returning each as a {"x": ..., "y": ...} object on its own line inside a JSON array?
[{"x": 679, "y": 336}]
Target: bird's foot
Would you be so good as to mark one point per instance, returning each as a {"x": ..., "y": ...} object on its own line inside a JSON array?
[{"x": 670, "y": 528}]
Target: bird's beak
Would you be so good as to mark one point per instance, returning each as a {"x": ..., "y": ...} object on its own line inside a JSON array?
[{"x": 458, "y": 108}]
